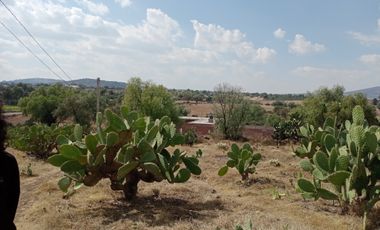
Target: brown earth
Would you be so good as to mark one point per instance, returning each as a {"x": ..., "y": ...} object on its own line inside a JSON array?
[
  {"x": 202, "y": 109},
  {"x": 16, "y": 119},
  {"x": 204, "y": 202}
]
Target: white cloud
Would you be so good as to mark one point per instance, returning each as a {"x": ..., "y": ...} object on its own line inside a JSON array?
[
  {"x": 264, "y": 54},
  {"x": 95, "y": 8},
  {"x": 158, "y": 28},
  {"x": 124, "y": 3},
  {"x": 89, "y": 44},
  {"x": 189, "y": 55},
  {"x": 218, "y": 39},
  {"x": 279, "y": 33},
  {"x": 300, "y": 45},
  {"x": 367, "y": 39},
  {"x": 370, "y": 59},
  {"x": 329, "y": 73}
]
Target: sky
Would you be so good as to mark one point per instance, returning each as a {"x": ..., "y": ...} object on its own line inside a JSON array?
[{"x": 292, "y": 46}]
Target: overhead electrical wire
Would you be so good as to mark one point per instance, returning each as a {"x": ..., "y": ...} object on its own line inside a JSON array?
[
  {"x": 36, "y": 41},
  {"x": 31, "y": 51}
]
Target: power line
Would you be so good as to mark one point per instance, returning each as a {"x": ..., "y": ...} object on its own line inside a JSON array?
[
  {"x": 35, "y": 40},
  {"x": 26, "y": 47}
]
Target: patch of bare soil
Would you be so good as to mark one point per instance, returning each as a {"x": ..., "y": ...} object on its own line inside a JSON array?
[
  {"x": 16, "y": 119},
  {"x": 205, "y": 202}
]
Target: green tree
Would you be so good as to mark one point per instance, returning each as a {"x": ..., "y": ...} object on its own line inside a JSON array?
[
  {"x": 11, "y": 93},
  {"x": 78, "y": 105},
  {"x": 150, "y": 99},
  {"x": 231, "y": 110},
  {"x": 42, "y": 103},
  {"x": 256, "y": 115},
  {"x": 133, "y": 92},
  {"x": 273, "y": 119},
  {"x": 331, "y": 103}
]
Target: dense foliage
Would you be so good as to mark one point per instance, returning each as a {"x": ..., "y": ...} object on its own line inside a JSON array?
[
  {"x": 346, "y": 158},
  {"x": 42, "y": 103},
  {"x": 80, "y": 106},
  {"x": 287, "y": 130},
  {"x": 330, "y": 103},
  {"x": 38, "y": 140},
  {"x": 256, "y": 115},
  {"x": 129, "y": 149},
  {"x": 150, "y": 100},
  {"x": 11, "y": 93},
  {"x": 190, "y": 137},
  {"x": 56, "y": 103}
]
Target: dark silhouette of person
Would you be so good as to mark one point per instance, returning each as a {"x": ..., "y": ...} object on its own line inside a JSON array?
[{"x": 9, "y": 182}]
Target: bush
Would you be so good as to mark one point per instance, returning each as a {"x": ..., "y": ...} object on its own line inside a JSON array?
[
  {"x": 256, "y": 115},
  {"x": 38, "y": 140},
  {"x": 273, "y": 119},
  {"x": 287, "y": 130},
  {"x": 130, "y": 149},
  {"x": 191, "y": 137}
]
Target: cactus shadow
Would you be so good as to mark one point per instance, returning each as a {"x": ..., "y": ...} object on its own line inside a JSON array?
[{"x": 157, "y": 211}]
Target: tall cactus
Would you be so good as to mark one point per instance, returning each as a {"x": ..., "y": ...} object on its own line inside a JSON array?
[
  {"x": 129, "y": 149},
  {"x": 346, "y": 157}
]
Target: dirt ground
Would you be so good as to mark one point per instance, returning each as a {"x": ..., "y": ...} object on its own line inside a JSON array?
[
  {"x": 202, "y": 109},
  {"x": 205, "y": 202}
]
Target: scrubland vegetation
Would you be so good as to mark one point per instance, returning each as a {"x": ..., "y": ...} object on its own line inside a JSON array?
[{"x": 322, "y": 171}]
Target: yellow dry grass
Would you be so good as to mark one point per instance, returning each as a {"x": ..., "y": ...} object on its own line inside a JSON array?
[{"x": 205, "y": 202}]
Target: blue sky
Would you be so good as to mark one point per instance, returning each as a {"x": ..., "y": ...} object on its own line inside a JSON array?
[{"x": 262, "y": 46}]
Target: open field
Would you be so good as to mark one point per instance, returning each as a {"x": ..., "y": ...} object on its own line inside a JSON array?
[
  {"x": 201, "y": 109},
  {"x": 11, "y": 108},
  {"x": 205, "y": 202}
]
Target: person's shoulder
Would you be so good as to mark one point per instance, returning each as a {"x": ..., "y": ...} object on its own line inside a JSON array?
[{"x": 8, "y": 157}]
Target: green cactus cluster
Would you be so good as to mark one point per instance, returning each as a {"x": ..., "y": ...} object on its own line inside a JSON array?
[
  {"x": 346, "y": 159},
  {"x": 125, "y": 149},
  {"x": 243, "y": 159}
]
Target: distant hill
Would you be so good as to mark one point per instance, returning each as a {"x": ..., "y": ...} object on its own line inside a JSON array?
[
  {"x": 85, "y": 82},
  {"x": 373, "y": 92}
]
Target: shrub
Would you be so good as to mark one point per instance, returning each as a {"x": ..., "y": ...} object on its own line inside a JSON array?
[
  {"x": 347, "y": 158},
  {"x": 38, "y": 140},
  {"x": 191, "y": 137},
  {"x": 244, "y": 160},
  {"x": 131, "y": 148},
  {"x": 287, "y": 130}
]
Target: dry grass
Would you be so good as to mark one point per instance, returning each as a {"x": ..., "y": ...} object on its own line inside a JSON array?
[
  {"x": 198, "y": 109},
  {"x": 205, "y": 202}
]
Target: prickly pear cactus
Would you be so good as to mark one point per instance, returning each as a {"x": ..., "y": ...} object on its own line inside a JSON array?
[
  {"x": 347, "y": 158},
  {"x": 244, "y": 160},
  {"x": 128, "y": 149}
]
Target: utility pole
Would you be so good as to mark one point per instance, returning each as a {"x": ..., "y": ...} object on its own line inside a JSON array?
[{"x": 97, "y": 94}]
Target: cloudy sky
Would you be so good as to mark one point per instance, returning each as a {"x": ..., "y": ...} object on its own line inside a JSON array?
[{"x": 263, "y": 46}]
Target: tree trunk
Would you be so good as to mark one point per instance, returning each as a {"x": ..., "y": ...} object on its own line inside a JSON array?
[{"x": 130, "y": 185}]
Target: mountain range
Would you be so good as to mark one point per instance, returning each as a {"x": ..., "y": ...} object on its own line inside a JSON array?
[
  {"x": 84, "y": 82},
  {"x": 373, "y": 92}
]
